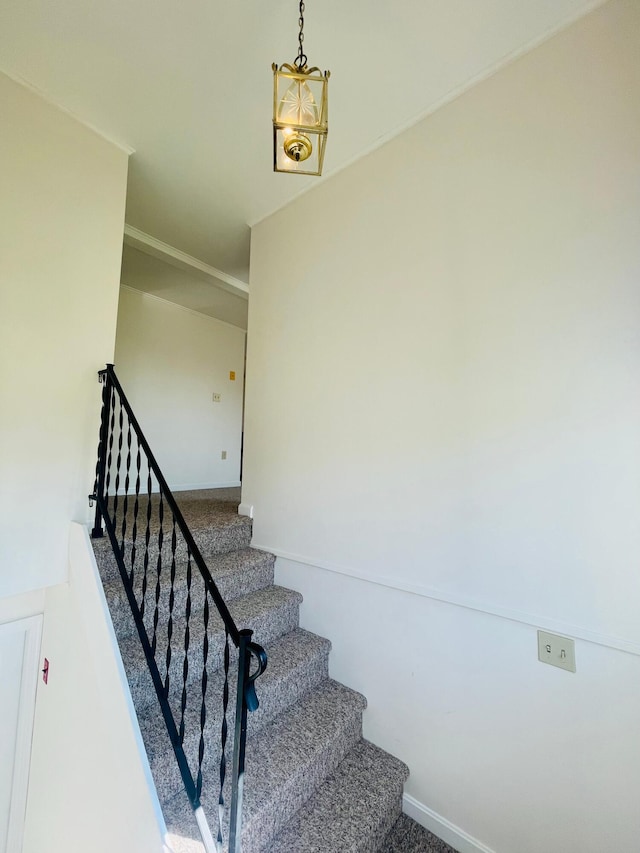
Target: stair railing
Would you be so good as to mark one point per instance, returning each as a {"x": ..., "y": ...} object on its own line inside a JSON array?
[{"x": 139, "y": 512}]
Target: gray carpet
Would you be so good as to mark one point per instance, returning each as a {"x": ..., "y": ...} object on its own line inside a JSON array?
[
  {"x": 312, "y": 783},
  {"x": 409, "y": 837}
]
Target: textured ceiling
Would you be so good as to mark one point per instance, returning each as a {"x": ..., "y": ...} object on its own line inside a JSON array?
[{"x": 189, "y": 87}]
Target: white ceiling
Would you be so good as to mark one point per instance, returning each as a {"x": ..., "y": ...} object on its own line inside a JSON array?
[{"x": 188, "y": 86}]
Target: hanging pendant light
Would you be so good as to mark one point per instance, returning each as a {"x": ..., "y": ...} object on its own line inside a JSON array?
[{"x": 299, "y": 114}]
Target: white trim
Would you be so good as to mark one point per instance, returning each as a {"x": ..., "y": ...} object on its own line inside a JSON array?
[
  {"x": 436, "y": 105},
  {"x": 22, "y": 605},
  {"x": 31, "y": 627},
  {"x": 184, "y": 487},
  {"x": 246, "y": 509},
  {"x": 123, "y": 146},
  {"x": 556, "y": 626},
  {"x": 443, "y": 828},
  {"x": 183, "y": 307},
  {"x": 191, "y": 487},
  {"x": 156, "y": 248},
  {"x": 207, "y": 838}
]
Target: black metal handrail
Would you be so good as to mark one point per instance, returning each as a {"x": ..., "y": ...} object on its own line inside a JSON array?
[{"x": 116, "y": 450}]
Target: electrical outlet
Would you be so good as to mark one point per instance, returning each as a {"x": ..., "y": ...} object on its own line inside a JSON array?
[
  {"x": 556, "y": 650},
  {"x": 223, "y": 455},
  {"x": 216, "y": 397}
]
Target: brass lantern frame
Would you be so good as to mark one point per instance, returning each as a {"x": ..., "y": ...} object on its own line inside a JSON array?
[{"x": 305, "y": 133}]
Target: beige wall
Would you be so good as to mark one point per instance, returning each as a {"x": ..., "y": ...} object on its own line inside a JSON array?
[
  {"x": 62, "y": 206},
  {"x": 442, "y": 431},
  {"x": 170, "y": 361},
  {"x": 62, "y": 213}
]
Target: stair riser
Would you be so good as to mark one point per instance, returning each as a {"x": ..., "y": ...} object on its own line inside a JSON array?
[
  {"x": 387, "y": 821},
  {"x": 274, "y": 699}
]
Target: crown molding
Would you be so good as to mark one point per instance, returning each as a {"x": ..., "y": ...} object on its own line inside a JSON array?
[{"x": 137, "y": 239}]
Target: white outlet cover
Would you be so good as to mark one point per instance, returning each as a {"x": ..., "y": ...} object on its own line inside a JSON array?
[{"x": 557, "y": 651}]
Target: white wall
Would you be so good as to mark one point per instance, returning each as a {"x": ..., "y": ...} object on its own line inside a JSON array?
[
  {"x": 170, "y": 361},
  {"x": 443, "y": 400},
  {"x": 90, "y": 785},
  {"x": 62, "y": 213}
]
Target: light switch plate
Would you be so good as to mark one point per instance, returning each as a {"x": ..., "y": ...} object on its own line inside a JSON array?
[{"x": 557, "y": 650}]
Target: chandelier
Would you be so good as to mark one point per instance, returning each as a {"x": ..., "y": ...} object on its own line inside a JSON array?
[{"x": 299, "y": 113}]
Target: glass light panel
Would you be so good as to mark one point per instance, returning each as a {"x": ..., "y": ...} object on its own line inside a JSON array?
[
  {"x": 298, "y": 105},
  {"x": 300, "y": 100}
]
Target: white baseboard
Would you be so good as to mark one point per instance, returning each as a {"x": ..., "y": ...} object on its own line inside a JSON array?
[
  {"x": 246, "y": 509},
  {"x": 180, "y": 487},
  {"x": 443, "y": 828},
  {"x": 188, "y": 487}
]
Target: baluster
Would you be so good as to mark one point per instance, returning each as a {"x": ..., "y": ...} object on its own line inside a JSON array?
[
  {"x": 112, "y": 424},
  {"x": 118, "y": 463},
  {"x": 98, "y": 488},
  {"x": 147, "y": 537},
  {"x": 171, "y": 600},
  {"x": 125, "y": 506},
  {"x": 187, "y": 639},
  {"x": 205, "y": 678},
  {"x": 223, "y": 736},
  {"x": 156, "y": 612},
  {"x": 136, "y": 506}
]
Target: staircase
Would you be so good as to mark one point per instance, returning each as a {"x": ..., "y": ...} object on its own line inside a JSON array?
[{"x": 312, "y": 783}]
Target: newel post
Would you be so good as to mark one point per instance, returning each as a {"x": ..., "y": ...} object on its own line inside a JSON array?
[{"x": 101, "y": 466}]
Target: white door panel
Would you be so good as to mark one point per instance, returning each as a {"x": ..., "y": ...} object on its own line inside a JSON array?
[{"x": 19, "y": 651}]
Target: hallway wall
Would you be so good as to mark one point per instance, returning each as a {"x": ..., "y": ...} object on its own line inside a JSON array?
[
  {"x": 442, "y": 440},
  {"x": 170, "y": 361},
  {"x": 62, "y": 209}
]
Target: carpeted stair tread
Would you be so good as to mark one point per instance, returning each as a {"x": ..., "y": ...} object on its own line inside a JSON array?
[
  {"x": 236, "y": 573},
  {"x": 198, "y": 514},
  {"x": 354, "y": 808},
  {"x": 211, "y": 541},
  {"x": 298, "y": 662},
  {"x": 286, "y": 761},
  {"x": 269, "y": 612},
  {"x": 407, "y": 836}
]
